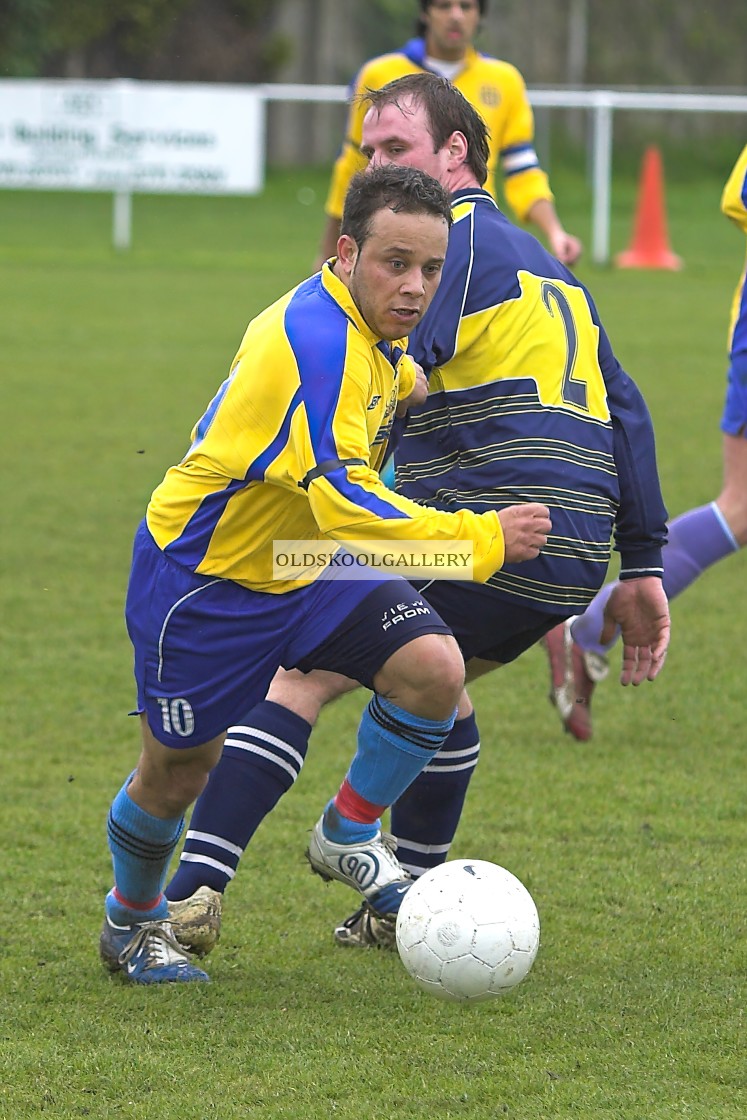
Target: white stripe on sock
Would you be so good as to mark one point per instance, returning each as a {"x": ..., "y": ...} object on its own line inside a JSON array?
[
  {"x": 194, "y": 857},
  {"x": 459, "y": 754},
  {"x": 414, "y": 869},
  {"x": 216, "y": 841},
  {"x": 450, "y": 769},
  {"x": 424, "y": 849},
  {"x": 252, "y": 748},
  {"x": 266, "y": 737}
]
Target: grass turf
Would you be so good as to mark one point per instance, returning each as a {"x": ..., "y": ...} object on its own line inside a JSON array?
[{"x": 633, "y": 845}]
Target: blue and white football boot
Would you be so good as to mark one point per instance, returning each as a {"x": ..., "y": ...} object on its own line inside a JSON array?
[
  {"x": 147, "y": 953},
  {"x": 370, "y": 867}
]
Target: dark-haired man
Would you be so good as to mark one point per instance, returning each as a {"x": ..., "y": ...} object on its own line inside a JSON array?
[
  {"x": 288, "y": 450},
  {"x": 443, "y": 45},
  {"x": 527, "y": 402}
]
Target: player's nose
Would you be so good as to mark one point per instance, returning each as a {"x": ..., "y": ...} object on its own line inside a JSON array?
[{"x": 413, "y": 282}]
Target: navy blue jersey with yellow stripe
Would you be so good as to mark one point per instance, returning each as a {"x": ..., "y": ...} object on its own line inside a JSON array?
[
  {"x": 527, "y": 403},
  {"x": 290, "y": 446}
]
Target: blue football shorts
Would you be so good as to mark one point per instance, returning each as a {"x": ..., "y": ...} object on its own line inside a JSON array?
[
  {"x": 485, "y": 624},
  {"x": 734, "y": 418},
  {"x": 206, "y": 649}
]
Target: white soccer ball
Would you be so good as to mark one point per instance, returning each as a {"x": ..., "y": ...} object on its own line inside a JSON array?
[{"x": 468, "y": 931}]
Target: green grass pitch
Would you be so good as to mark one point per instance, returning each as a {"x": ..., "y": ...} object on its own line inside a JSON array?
[{"x": 633, "y": 845}]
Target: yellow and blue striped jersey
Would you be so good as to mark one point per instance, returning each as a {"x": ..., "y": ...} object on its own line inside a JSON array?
[
  {"x": 495, "y": 88},
  {"x": 527, "y": 403},
  {"x": 290, "y": 446},
  {"x": 734, "y": 205}
]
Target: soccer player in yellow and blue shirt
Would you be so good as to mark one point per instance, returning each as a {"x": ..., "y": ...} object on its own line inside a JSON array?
[
  {"x": 697, "y": 539},
  {"x": 526, "y": 401},
  {"x": 443, "y": 45},
  {"x": 287, "y": 451}
]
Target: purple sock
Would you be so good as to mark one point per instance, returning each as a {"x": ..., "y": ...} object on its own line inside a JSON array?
[
  {"x": 697, "y": 539},
  {"x": 586, "y": 629}
]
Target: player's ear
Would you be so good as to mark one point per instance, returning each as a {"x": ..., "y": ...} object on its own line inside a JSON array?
[
  {"x": 458, "y": 147},
  {"x": 347, "y": 252}
]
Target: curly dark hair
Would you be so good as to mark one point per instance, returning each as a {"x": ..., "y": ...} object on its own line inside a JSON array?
[{"x": 402, "y": 189}]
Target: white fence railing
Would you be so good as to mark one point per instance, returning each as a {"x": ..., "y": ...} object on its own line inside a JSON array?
[
  {"x": 126, "y": 136},
  {"x": 600, "y": 103}
]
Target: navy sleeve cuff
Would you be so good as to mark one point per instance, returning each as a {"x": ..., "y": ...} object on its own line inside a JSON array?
[{"x": 646, "y": 562}]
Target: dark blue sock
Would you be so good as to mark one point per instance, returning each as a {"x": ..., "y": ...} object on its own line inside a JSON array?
[
  {"x": 261, "y": 760},
  {"x": 425, "y": 818}
]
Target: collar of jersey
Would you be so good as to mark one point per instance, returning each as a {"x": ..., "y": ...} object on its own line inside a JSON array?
[
  {"x": 340, "y": 294},
  {"x": 472, "y": 194},
  {"x": 414, "y": 50},
  {"x": 464, "y": 199}
]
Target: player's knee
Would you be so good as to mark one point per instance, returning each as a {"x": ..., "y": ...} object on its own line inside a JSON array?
[
  {"x": 425, "y": 677},
  {"x": 169, "y": 791},
  {"x": 306, "y": 694},
  {"x": 172, "y": 779}
]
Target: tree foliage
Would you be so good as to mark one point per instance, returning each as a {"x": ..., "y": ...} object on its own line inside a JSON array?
[
  {"x": 386, "y": 24},
  {"x": 37, "y": 37},
  {"x": 33, "y": 31}
]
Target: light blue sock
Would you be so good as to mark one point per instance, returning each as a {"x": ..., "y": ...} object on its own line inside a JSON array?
[
  {"x": 141, "y": 846},
  {"x": 426, "y": 816},
  {"x": 393, "y": 748}
]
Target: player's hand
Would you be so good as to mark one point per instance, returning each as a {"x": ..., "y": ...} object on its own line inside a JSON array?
[
  {"x": 565, "y": 247},
  {"x": 418, "y": 395},
  {"x": 525, "y": 531},
  {"x": 640, "y": 608}
]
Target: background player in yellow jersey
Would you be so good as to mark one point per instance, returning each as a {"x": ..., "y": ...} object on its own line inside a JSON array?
[
  {"x": 526, "y": 399},
  {"x": 577, "y": 650},
  {"x": 446, "y": 30},
  {"x": 287, "y": 451}
]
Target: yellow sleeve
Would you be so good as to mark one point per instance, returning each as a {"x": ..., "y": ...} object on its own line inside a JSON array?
[
  {"x": 407, "y": 376},
  {"x": 350, "y": 503},
  {"x": 734, "y": 197},
  {"x": 350, "y": 159},
  {"x": 521, "y": 188}
]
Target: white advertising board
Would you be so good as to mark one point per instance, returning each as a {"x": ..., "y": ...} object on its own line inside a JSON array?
[{"x": 127, "y": 136}]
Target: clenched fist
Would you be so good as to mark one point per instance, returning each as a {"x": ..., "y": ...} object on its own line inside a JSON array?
[
  {"x": 418, "y": 394},
  {"x": 525, "y": 530}
]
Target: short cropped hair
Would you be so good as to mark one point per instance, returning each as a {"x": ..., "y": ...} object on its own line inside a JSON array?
[
  {"x": 402, "y": 189},
  {"x": 447, "y": 110}
]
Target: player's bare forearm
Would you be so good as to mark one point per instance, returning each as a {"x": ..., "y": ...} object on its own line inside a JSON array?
[
  {"x": 640, "y": 608},
  {"x": 563, "y": 245}
]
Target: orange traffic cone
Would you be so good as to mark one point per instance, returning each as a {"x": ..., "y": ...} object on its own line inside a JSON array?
[{"x": 650, "y": 247}]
